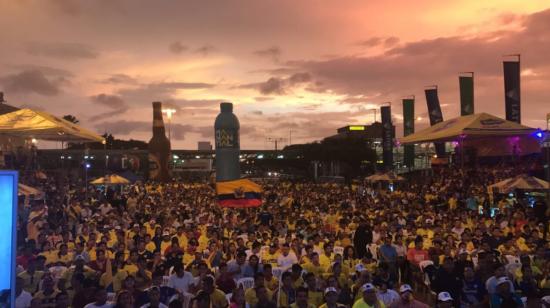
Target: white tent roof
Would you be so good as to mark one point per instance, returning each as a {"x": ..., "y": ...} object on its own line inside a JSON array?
[{"x": 519, "y": 182}]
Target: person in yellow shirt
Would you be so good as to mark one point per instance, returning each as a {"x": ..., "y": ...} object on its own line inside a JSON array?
[
  {"x": 48, "y": 253},
  {"x": 131, "y": 265},
  {"x": 271, "y": 255},
  {"x": 314, "y": 296},
  {"x": 271, "y": 282},
  {"x": 182, "y": 237},
  {"x": 327, "y": 257},
  {"x": 149, "y": 244},
  {"x": 314, "y": 266},
  {"x": 64, "y": 256},
  {"x": 31, "y": 277},
  {"x": 250, "y": 295},
  {"x": 302, "y": 299},
  {"x": 286, "y": 294}
]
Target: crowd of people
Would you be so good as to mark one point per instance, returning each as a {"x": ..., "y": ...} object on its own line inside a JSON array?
[{"x": 438, "y": 241}]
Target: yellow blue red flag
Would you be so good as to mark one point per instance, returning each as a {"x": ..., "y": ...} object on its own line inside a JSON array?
[{"x": 240, "y": 193}]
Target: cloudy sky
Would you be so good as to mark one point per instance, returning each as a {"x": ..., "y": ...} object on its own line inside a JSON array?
[{"x": 306, "y": 66}]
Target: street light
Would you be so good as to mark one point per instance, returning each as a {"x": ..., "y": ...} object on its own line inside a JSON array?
[
  {"x": 86, "y": 167},
  {"x": 169, "y": 112}
]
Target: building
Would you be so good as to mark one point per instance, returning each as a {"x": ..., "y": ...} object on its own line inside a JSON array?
[
  {"x": 204, "y": 146},
  {"x": 372, "y": 132}
]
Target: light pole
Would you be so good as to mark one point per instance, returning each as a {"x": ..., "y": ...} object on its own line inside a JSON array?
[
  {"x": 169, "y": 112},
  {"x": 104, "y": 142},
  {"x": 86, "y": 167}
]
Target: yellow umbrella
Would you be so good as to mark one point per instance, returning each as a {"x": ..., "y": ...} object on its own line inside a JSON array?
[
  {"x": 385, "y": 177},
  {"x": 112, "y": 179},
  {"x": 28, "y": 123},
  {"x": 24, "y": 190}
]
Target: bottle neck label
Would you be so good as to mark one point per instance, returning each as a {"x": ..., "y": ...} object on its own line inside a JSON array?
[{"x": 227, "y": 138}]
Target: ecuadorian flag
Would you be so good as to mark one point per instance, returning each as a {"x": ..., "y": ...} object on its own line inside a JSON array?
[{"x": 240, "y": 193}]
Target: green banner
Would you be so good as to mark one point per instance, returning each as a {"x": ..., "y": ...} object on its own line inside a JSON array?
[
  {"x": 408, "y": 128},
  {"x": 466, "y": 95}
]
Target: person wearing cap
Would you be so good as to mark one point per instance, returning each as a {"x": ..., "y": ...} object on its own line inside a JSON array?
[
  {"x": 331, "y": 299},
  {"x": 406, "y": 299},
  {"x": 154, "y": 299},
  {"x": 369, "y": 298},
  {"x": 491, "y": 283},
  {"x": 446, "y": 280},
  {"x": 444, "y": 300},
  {"x": 504, "y": 296},
  {"x": 166, "y": 241}
]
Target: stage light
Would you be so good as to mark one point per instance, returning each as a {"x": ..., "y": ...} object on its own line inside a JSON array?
[
  {"x": 539, "y": 134},
  {"x": 88, "y": 166}
]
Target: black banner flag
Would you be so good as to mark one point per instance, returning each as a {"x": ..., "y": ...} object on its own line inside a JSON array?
[
  {"x": 387, "y": 137},
  {"x": 408, "y": 128},
  {"x": 512, "y": 91},
  {"x": 466, "y": 84},
  {"x": 436, "y": 116}
]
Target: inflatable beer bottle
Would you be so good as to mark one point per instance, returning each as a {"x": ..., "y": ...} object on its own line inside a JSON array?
[
  {"x": 159, "y": 148},
  {"x": 226, "y": 128}
]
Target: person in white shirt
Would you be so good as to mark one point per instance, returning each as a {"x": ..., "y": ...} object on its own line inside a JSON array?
[
  {"x": 286, "y": 258},
  {"x": 154, "y": 299},
  {"x": 387, "y": 296},
  {"x": 180, "y": 280},
  {"x": 100, "y": 300},
  {"x": 22, "y": 297}
]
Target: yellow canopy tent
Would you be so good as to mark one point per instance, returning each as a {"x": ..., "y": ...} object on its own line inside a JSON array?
[
  {"x": 488, "y": 134},
  {"x": 519, "y": 182},
  {"x": 112, "y": 179},
  {"x": 471, "y": 126},
  {"x": 28, "y": 123},
  {"x": 385, "y": 177}
]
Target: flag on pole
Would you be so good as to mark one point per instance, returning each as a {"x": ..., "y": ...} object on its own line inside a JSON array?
[
  {"x": 512, "y": 90},
  {"x": 466, "y": 84},
  {"x": 242, "y": 193}
]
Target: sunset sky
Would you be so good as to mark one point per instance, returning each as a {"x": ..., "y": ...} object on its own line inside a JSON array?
[{"x": 309, "y": 66}]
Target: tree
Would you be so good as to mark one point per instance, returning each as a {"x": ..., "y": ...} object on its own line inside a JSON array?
[{"x": 71, "y": 118}]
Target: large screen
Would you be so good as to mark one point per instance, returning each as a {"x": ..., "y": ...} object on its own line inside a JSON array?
[{"x": 8, "y": 215}]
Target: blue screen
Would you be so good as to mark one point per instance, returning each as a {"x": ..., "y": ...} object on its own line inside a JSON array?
[{"x": 8, "y": 205}]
